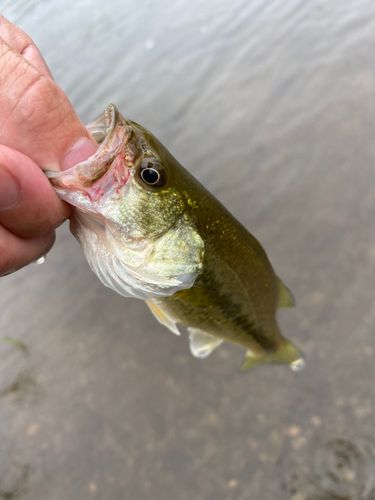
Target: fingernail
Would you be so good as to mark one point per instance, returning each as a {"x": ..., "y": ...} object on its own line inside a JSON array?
[
  {"x": 80, "y": 151},
  {"x": 10, "y": 190}
]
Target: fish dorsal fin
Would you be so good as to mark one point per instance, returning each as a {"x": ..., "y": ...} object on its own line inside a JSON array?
[
  {"x": 163, "y": 317},
  {"x": 201, "y": 343},
  {"x": 286, "y": 298}
]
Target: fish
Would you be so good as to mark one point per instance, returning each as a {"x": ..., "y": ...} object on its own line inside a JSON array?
[{"x": 150, "y": 230}]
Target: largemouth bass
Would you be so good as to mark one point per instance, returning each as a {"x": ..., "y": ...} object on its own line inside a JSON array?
[{"x": 150, "y": 230}]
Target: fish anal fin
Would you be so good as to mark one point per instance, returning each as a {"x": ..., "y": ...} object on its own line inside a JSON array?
[
  {"x": 286, "y": 298},
  {"x": 163, "y": 317},
  {"x": 285, "y": 353},
  {"x": 202, "y": 343}
]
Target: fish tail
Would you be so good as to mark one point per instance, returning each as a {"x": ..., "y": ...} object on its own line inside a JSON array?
[{"x": 285, "y": 353}]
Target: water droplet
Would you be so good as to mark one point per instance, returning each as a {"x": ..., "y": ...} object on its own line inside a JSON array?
[
  {"x": 41, "y": 260},
  {"x": 297, "y": 365}
]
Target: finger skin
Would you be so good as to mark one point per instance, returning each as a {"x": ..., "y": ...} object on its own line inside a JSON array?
[
  {"x": 17, "y": 252},
  {"x": 37, "y": 120},
  {"x": 20, "y": 42},
  {"x": 39, "y": 209},
  {"x": 36, "y": 116}
]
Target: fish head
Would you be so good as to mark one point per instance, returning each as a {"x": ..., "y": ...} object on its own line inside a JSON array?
[{"x": 131, "y": 211}]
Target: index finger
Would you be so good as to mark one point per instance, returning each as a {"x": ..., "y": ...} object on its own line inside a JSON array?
[{"x": 20, "y": 42}]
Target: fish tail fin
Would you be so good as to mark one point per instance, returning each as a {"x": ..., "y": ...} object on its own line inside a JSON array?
[
  {"x": 285, "y": 353},
  {"x": 286, "y": 298}
]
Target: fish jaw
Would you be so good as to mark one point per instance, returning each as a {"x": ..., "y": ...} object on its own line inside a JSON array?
[
  {"x": 105, "y": 172},
  {"x": 139, "y": 242}
]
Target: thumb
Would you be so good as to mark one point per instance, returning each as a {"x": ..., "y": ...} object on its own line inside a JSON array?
[{"x": 29, "y": 207}]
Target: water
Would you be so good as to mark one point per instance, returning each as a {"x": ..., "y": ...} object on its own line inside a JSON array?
[
  {"x": 271, "y": 105},
  {"x": 41, "y": 260}
]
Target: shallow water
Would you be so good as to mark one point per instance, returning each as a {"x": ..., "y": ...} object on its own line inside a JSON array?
[{"x": 271, "y": 105}]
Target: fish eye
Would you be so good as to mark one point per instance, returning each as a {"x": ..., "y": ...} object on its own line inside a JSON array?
[
  {"x": 151, "y": 173},
  {"x": 150, "y": 176}
]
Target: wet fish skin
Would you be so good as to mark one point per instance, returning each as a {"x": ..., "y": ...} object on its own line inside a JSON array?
[
  {"x": 237, "y": 294},
  {"x": 175, "y": 246}
]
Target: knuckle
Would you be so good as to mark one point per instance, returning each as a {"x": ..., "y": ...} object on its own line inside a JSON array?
[{"x": 43, "y": 103}]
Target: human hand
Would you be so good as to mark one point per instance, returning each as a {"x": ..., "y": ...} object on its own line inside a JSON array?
[{"x": 38, "y": 130}]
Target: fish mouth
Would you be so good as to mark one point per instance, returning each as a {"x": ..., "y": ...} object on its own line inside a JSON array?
[
  {"x": 104, "y": 124},
  {"x": 108, "y": 168}
]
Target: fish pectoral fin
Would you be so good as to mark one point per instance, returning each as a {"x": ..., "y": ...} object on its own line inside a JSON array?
[
  {"x": 285, "y": 353},
  {"x": 201, "y": 343},
  {"x": 286, "y": 298},
  {"x": 163, "y": 317}
]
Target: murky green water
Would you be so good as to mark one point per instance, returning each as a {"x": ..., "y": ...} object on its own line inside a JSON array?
[{"x": 272, "y": 106}]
